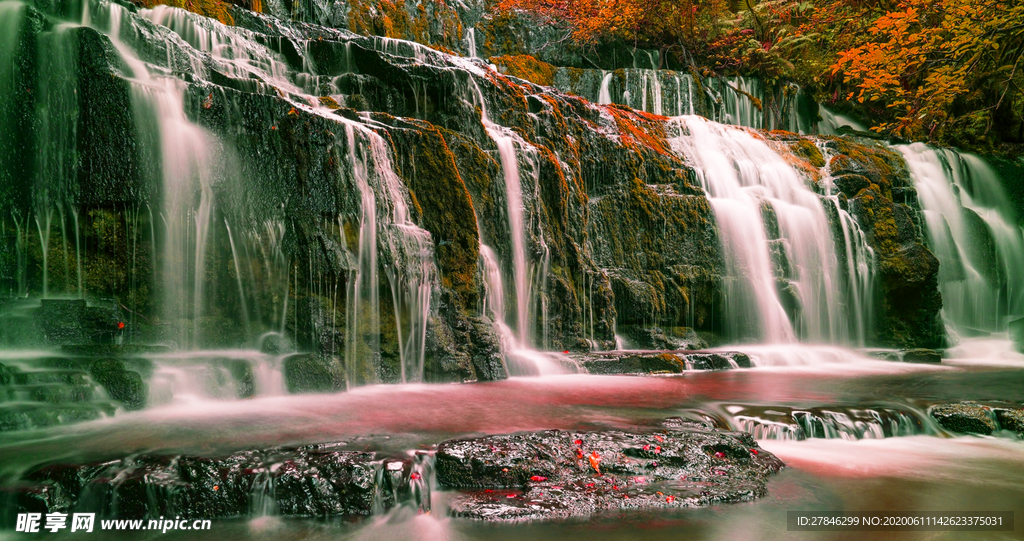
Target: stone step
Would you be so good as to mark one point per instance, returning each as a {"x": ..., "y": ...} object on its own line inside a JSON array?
[
  {"x": 35, "y": 377},
  {"x": 52, "y": 393},
  {"x": 28, "y": 415}
]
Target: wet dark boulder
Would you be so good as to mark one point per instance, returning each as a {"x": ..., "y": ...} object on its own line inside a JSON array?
[
  {"x": 966, "y": 418},
  {"x": 635, "y": 363},
  {"x": 1011, "y": 419},
  {"x": 313, "y": 373},
  {"x": 660, "y": 362},
  {"x": 557, "y": 474},
  {"x": 922, "y": 355}
]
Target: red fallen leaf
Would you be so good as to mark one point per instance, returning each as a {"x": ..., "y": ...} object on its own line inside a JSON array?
[
  {"x": 488, "y": 490},
  {"x": 657, "y": 449},
  {"x": 538, "y": 478},
  {"x": 415, "y": 476},
  {"x": 659, "y": 438},
  {"x": 720, "y": 454},
  {"x": 579, "y": 454},
  {"x": 753, "y": 451},
  {"x": 595, "y": 461},
  {"x": 566, "y": 351},
  {"x": 589, "y": 485},
  {"x": 504, "y": 469},
  {"x": 647, "y": 447},
  {"x": 120, "y": 324},
  {"x": 578, "y": 442},
  {"x": 625, "y": 496},
  {"x": 511, "y": 496},
  {"x": 670, "y": 499},
  {"x": 293, "y": 112},
  {"x": 273, "y": 127},
  {"x": 639, "y": 480},
  {"x": 215, "y": 487},
  {"x": 615, "y": 487}
]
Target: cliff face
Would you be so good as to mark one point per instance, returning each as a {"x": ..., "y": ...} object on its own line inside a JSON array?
[{"x": 356, "y": 194}]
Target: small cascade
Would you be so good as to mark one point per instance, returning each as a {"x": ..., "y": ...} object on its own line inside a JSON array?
[
  {"x": 471, "y": 42},
  {"x": 975, "y": 235},
  {"x": 198, "y": 376},
  {"x": 780, "y": 256},
  {"x": 859, "y": 259},
  {"x": 528, "y": 277},
  {"x": 739, "y": 108},
  {"x": 505, "y": 141},
  {"x": 847, "y": 423},
  {"x": 604, "y": 96},
  {"x": 661, "y": 92}
]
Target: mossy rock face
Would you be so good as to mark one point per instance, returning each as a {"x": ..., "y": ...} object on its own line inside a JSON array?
[
  {"x": 125, "y": 386},
  {"x": 851, "y": 184},
  {"x": 908, "y": 272},
  {"x": 526, "y": 67},
  {"x": 313, "y": 373},
  {"x": 808, "y": 151},
  {"x": 486, "y": 351}
]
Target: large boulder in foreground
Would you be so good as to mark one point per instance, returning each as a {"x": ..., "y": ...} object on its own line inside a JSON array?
[
  {"x": 966, "y": 418},
  {"x": 985, "y": 419},
  {"x": 557, "y": 474}
]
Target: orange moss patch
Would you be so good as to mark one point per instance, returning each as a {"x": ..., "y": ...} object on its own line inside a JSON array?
[
  {"x": 526, "y": 67},
  {"x": 640, "y": 128},
  {"x": 215, "y": 9}
]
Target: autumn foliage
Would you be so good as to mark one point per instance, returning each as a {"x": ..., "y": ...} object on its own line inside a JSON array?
[
  {"x": 646, "y": 22},
  {"x": 938, "y": 65},
  {"x": 946, "y": 71}
]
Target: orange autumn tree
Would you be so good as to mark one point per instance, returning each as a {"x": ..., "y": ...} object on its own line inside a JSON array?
[
  {"x": 938, "y": 66},
  {"x": 658, "y": 23}
]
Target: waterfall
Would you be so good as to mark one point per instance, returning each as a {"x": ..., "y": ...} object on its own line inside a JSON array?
[
  {"x": 190, "y": 164},
  {"x": 974, "y": 234},
  {"x": 505, "y": 141},
  {"x": 782, "y": 273},
  {"x": 604, "y": 97},
  {"x": 471, "y": 42}
]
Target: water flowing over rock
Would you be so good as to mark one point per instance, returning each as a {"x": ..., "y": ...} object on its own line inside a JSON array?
[
  {"x": 973, "y": 230},
  {"x": 685, "y": 464},
  {"x": 386, "y": 212}
]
